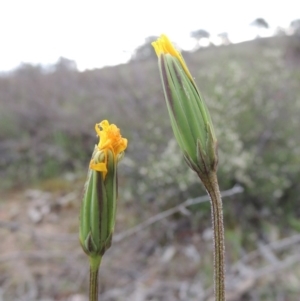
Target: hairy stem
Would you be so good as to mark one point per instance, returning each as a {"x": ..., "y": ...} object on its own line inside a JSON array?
[
  {"x": 211, "y": 184},
  {"x": 94, "y": 268}
]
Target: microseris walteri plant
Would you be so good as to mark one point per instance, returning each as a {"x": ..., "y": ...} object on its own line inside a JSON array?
[
  {"x": 98, "y": 209},
  {"x": 194, "y": 132}
]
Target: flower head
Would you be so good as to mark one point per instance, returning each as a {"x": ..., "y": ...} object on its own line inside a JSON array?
[
  {"x": 190, "y": 119},
  {"x": 109, "y": 139},
  {"x": 98, "y": 209}
]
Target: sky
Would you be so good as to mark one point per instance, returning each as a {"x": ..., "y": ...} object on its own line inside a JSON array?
[{"x": 103, "y": 33}]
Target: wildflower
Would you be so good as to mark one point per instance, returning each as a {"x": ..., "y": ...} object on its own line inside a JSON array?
[
  {"x": 194, "y": 132},
  {"x": 97, "y": 217},
  {"x": 190, "y": 119}
]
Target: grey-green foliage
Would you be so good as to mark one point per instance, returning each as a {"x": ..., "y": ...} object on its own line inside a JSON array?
[
  {"x": 266, "y": 124},
  {"x": 170, "y": 169}
]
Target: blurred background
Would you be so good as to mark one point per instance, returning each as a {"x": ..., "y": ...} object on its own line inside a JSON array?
[{"x": 66, "y": 65}]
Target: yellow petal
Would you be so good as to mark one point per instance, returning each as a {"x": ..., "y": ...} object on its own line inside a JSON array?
[
  {"x": 109, "y": 139},
  {"x": 164, "y": 46}
]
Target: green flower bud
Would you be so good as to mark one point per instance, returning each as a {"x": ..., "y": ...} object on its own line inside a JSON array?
[{"x": 190, "y": 119}]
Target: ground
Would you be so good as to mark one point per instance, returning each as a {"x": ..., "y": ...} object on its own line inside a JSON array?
[{"x": 40, "y": 256}]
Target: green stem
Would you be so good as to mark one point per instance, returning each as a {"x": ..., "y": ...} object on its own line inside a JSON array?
[
  {"x": 94, "y": 268},
  {"x": 211, "y": 184}
]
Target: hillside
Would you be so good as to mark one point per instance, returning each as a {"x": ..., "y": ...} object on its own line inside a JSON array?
[{"x": 47, "y": 135}]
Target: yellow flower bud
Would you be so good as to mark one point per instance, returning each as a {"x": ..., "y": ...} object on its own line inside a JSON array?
[{"x": 98, "y": 210}]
